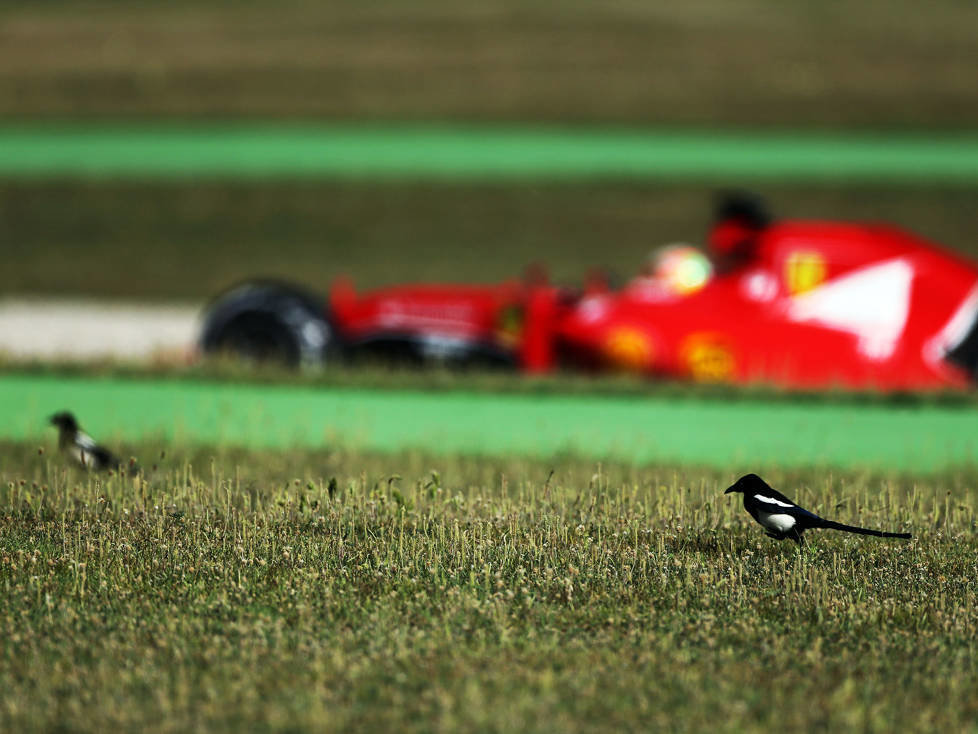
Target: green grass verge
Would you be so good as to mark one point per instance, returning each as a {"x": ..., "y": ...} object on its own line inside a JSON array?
[
  {"x": 233, "y": 591},
  {"x": 144, "y": 152},
  {"x": 385, "y": 376},
  {"x": 717, "y": 433}
]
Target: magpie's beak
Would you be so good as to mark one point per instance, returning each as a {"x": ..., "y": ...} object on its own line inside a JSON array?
[{"x": 731, "y": 489}]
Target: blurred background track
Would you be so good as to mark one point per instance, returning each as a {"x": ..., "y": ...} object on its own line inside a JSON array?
[
  {"x": 825, "y": 68},
  {"x": 743, "y": 63}
]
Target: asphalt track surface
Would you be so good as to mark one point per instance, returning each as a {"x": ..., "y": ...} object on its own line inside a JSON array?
[
  {"x": 734, "y": 435},
  {"x": 479, "y": 152}
]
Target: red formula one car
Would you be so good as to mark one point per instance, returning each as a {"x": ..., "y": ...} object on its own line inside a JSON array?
[{"x": 805, "y": 304}]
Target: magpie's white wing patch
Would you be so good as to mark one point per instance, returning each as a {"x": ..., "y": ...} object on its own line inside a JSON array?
[
  {"x": 84, "y": 441},
  {"x": 776, "y": 521},
  {"x": 82, "y": 455},
  {"x": 772, "y": 501}
]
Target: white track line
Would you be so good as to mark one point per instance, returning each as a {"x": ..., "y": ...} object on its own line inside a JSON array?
[{"x": 49, "y": 329}]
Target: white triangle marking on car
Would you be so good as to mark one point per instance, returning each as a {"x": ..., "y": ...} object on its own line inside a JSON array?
[{"x": 871, "y": 303}]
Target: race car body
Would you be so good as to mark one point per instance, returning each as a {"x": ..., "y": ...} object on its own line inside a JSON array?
[
  {"x": 793, "y": 303},
  {"x": 431, "y": 322},
  {"x": 820, "y": 305}
]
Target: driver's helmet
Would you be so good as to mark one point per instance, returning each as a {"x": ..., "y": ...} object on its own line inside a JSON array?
[
  {"x": 679, "y": 268},
  {"x": 739, "y": 219}
]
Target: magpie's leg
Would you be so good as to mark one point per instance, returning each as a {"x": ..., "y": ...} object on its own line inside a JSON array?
[
  {"x": 776, "y": 536},
  {"x": 795, "y": 535}
]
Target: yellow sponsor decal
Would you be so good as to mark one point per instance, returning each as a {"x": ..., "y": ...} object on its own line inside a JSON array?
[
  {"x": 804, "y": 271},
  {"x": 708, "y": 358},
  {"x": 509, "y": 326},
  {"x": 629, "y": 348}
]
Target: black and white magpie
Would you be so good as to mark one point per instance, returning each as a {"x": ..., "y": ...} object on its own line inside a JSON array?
[
  {"x": 81, "y": 447},
  {"x": 782, "y": 518}
]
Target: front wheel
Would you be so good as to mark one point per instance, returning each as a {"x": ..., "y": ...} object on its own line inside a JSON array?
[{"x": 269, "y": 322}]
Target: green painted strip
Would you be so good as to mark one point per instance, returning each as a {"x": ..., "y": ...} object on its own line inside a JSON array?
[
  {"x": 706, "y": 432},
  {"x": 405, "y": 151}
]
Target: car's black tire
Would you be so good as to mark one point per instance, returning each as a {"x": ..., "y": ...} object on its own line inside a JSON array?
[{"x": 269, "y": 322}]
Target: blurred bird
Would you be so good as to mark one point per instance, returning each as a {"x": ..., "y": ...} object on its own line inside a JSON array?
[
  {"x": 81, "y": 447},
  {"x": 782, "y": 518}
]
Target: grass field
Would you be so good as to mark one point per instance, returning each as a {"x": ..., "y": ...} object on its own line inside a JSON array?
[{"x": 229, "y": 591}]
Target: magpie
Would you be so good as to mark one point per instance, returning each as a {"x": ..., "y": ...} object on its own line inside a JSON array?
[
  {"x": 81, "y": 447},
  {"x": 782, "y": 518}
]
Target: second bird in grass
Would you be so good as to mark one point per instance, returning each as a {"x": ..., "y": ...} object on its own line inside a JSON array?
[
  {"x": 782, "y": 518},
  {"x": 81, "y": 447}
]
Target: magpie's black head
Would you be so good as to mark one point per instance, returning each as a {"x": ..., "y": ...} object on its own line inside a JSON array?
[
  {"x": 747, "y": 483},
  {"x": 65, "y": 421}
]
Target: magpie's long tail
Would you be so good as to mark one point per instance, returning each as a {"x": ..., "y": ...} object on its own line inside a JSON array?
[{"x": 862, "y": 531}]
